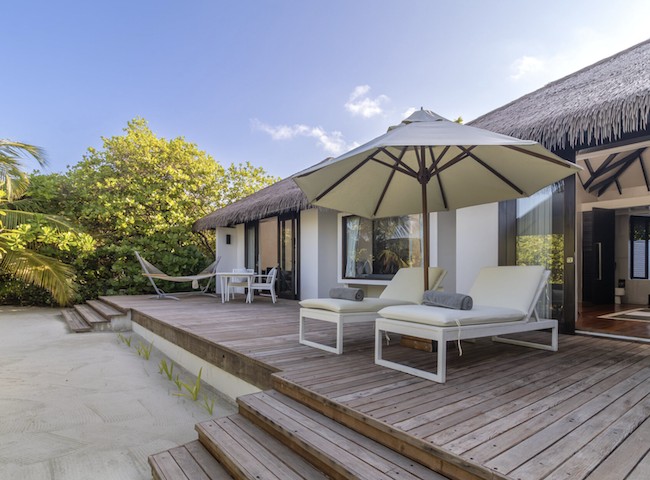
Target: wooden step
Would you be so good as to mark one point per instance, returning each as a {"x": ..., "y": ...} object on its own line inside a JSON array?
[
  {"x": 90, "y": 315},
  {"x": 104, "y": 309},
  {"x": 335, "y": 449},
  {"x": 249, "y": 453},
  {"x": 187, "y": 462},
  {"x": 75, "y": 322}
]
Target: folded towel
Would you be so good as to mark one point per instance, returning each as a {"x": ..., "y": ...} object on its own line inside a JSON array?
[
  {"x": 457, "y": 301},
  {"x": 355, "y": 294}
]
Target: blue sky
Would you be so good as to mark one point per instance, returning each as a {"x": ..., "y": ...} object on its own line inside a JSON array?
[{"x": 283, "y": 84}]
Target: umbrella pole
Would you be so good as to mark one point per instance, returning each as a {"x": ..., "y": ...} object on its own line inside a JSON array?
[
  {"x": 425, "y": 235},
  {"x": 407, "y": 340}
]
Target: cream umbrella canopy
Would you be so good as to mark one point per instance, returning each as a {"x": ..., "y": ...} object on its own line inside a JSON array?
[{"x": 429, "y": 164}]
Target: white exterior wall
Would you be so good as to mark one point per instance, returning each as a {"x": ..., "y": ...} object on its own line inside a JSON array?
[
  {"x": 233, "y": 255},
  {"x": 318, "y": 253},
  {"x": 228, "y": 252},
  {"x": 309, "y": 253},
  {"x": 445, "y": 233},
  {"x": 327, "y": 252},
  {"x": 477, "y": 242}
]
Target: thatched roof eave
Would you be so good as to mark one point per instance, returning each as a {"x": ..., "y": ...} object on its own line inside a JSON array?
[
  {"x": 281, "y": 197},
  {"x": 595, "y": 105}
]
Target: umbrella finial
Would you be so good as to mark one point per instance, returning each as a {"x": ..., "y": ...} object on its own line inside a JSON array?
[{"x": 423, "y": 115}]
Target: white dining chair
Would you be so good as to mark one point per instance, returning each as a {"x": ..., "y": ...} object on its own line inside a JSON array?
[
  {"x": 265, "y": 282},
  {"x": 238, "y": 282}
]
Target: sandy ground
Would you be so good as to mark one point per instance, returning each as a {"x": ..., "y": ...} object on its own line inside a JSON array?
[{"x": 80, "y": 406}]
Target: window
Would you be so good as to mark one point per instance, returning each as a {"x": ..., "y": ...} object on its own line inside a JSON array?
[
  {"x": 639, "y": 228},
  {"x": 376, "y": 249}
]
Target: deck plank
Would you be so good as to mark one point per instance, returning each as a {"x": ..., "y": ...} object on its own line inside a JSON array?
[
  {"x": 597, "y": 413},
  {"x": 212, "y": 468},
  {"x": 504, "y": 420}
]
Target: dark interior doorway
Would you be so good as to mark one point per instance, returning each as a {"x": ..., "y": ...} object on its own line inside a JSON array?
[{"x": 598, "y": 257}]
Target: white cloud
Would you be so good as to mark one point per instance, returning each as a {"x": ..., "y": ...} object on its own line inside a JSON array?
[
  {"x": 526, "y": 66},
  {"x": 332, "y": 142},
  {"x": 360, "y": 104},
  {"x": 409, "y": 112},
  {"x": 584, "y": 47}
]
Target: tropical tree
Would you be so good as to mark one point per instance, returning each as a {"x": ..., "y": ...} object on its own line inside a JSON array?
[
  {"x": 23, "y": 229},
  {"x": 141, "y": 192}
]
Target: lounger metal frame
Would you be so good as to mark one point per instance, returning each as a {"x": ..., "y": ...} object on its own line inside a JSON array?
[{"x": 333, "y": 317}]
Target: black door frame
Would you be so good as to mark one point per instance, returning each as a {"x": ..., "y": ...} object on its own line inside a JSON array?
[
  {"x": 255, "y": 224},
  {"x": 294, "y": 217}
]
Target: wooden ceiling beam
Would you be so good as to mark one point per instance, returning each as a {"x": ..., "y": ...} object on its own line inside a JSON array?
[
  {"x": 597, "y": 173},
  {"x": 624, "y": 165}
]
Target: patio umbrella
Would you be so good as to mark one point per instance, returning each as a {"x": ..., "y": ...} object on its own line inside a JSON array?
[{"x": 429, "y": 164}]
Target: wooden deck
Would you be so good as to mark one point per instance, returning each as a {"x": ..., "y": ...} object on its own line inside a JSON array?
[{"x": 505, "y": 411}]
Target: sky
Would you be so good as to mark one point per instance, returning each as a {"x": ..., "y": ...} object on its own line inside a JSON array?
[{"x": 283, "y": 84}]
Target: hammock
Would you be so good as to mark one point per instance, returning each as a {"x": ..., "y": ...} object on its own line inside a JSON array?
[{"x": 153, "y": 273}]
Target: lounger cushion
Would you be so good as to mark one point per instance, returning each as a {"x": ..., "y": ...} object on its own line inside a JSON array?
[
  {"x": 446, "y": 317},
  {"x": 348, "y": 306},
  {"x": 408, "y": 284},
  {"x": 510, "y": 287}
]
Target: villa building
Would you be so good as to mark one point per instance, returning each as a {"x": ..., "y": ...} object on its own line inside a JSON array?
[{"x": 592, "y": 231}]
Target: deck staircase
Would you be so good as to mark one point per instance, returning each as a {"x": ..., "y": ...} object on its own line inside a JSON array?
[
  {"x": 276, "y": 437},
  {"x": 97, "y": 316}
]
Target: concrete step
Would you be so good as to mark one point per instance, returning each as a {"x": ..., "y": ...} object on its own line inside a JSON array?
[
  {"x": 250, "y": 453},
  {"x": 187, "y": 462},
  {"x": 104, "y": 309},
  {"x": 333, "y": 448},
  {"x": 76, "y": 323},
  {"x": 92, "y": 318}
]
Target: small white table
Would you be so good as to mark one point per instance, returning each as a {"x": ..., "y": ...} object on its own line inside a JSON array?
[{"x": 225, "y": 276}]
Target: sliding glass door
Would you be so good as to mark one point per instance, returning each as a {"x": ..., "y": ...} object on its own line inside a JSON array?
[{"x": 272, "y": 242}]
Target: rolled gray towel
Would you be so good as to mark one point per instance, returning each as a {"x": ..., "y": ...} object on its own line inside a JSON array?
[
  {"x": 355, "y": 294},
  {"x": 457, "y": 301}
]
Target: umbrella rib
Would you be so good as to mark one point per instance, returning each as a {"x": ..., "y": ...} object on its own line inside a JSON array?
[
  {"x": 383, "y": 193},
  {"x": 390, "y": 178},
  {"x": 399, "y": 160},
  {"x": 394, "y": 167},
  {"x": 434, "y": 162},
  {"x": 538, "y": 155},
  {"x": 344, "y": 177},
  {"x": 494, "y": 172},
  {"x": 461, "y": 156}
]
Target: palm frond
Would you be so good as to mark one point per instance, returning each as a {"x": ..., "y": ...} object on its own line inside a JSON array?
[
  {"x": 45, "y": 272},
  {"x": 13, "y": 218},
  {"x": 10, "y": 150},
  {"x": 14, "y": 183},
  {"x": 24, "y": 205},
  {"x": 12, "y": 170}
]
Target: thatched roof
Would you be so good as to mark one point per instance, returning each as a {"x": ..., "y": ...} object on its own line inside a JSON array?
[
  {"x": 595, "y": 105},
  {"x": 281, "y": 197}
]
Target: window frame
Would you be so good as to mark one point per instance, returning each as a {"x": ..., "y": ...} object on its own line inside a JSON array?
[
  {"x": 343, "y": 254},
  {"x": 646, "y": 220}
]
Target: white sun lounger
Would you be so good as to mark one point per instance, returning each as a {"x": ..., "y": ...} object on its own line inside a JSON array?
[
  {"x": 153, "y": 273},
  {"x": 504, "y": 302},
  {"x": 406, "y": 288}
]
